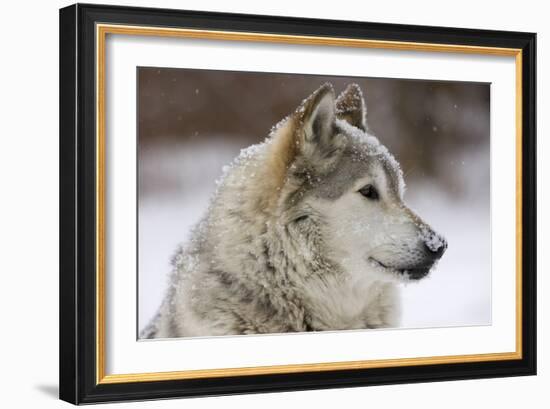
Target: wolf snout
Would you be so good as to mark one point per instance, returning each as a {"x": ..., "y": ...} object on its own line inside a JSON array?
[{"x": 434, "y": 244}]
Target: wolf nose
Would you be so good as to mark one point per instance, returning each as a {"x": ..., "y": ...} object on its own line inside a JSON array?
[{"x": 435, "y": 245}]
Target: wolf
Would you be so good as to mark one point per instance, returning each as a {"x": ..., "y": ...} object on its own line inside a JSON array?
[{"x": 307, "y": 231}]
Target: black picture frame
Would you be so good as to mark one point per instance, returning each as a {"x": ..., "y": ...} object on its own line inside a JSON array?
[{"x": 78, "y": 235}]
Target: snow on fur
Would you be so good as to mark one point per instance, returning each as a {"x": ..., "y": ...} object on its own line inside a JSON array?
[
  {"x": 373, "y": 148},
  {"x": 249, "y": 269}
]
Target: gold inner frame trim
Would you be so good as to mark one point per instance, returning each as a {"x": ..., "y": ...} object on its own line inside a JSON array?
[{"x": 101, "y": 33}]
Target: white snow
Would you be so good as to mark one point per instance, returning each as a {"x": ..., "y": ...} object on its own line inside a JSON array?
[
  {"x": 458, "y": 291},
  {"x": 433, "y": 241}
]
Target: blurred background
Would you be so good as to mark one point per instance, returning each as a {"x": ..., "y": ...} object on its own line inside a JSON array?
[{"x": 193, "y": 122}]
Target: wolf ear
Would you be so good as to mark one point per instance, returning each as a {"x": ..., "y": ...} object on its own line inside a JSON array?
[
  {"x": 316, "y": 134},
  {"x": 317, "y": 115},
  {"x": 350, "y": 106}
]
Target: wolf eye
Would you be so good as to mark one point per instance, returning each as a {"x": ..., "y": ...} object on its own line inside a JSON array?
[{"x": 370, "y": 192}]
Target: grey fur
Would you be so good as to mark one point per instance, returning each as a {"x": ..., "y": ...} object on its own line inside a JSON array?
[{"x": 269, "y": 256}]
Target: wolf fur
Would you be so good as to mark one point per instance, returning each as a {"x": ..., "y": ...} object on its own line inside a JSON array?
[{"x": 307, "y": 232}]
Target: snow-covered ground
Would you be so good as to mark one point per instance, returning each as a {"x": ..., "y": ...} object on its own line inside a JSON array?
[
  {"x": 176, "y": 184},
  {"x": 458, "y": 292}
]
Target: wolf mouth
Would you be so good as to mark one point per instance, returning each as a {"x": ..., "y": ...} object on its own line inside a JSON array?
[{"x": 413, "y": 273}]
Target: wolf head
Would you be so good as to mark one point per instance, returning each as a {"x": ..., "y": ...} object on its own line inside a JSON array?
[
  {"x": 329, "y": 192},
  {"x": 337, "y": 184},
  {"x": 307, "y": 231}
]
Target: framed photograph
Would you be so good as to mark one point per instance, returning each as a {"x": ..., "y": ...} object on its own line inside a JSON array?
[{"x": 256, "y": 203}]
